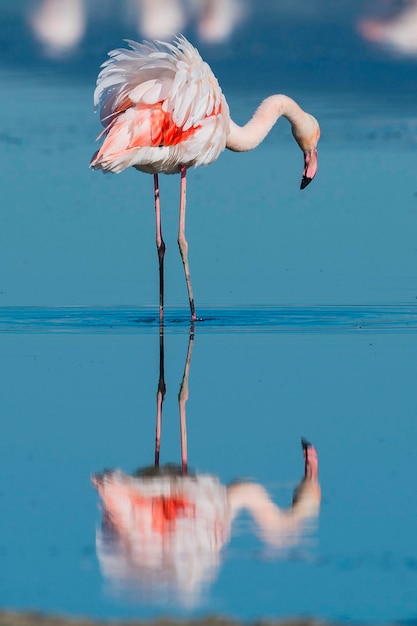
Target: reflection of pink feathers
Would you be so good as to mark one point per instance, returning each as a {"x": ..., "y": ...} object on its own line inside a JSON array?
[
  {"x": 170, "y": 527},
  {"x": 165, "y": 531},
  {"x": 162, "y": 107},
  {"x": 159, "y": 506}
]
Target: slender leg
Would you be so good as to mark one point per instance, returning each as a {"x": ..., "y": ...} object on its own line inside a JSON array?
[
  {"x": 182, "y": 242},
  {"x": 182, "y": 400},
  {"x": 160, "y": 394},
  {"x": 160, "y": 246}
]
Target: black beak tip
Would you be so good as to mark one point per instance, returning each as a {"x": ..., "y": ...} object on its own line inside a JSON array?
[
  {"x": 305, "y": 443},
  {"x": 305, "y": 181}
]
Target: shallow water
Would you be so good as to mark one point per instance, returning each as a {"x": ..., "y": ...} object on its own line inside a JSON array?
[
  {"x": 78, "y": 403},
  {"x": 250, "y": 319},
  {"x": 307, "y": 326}
]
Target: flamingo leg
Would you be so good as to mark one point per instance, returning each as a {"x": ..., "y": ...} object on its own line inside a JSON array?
[
  {"x": 182, "y": 400},
  {"x": 160, "y": 394},
  {"x": 160, "y": 246},
  {"x": 182, "y": 242}
]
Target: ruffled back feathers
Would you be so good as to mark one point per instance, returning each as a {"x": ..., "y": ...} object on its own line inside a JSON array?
[
  {"x": 149, "y": 73},
  {"x": 172, "y": 82}
]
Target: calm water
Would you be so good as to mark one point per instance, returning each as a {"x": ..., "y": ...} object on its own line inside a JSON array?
[{"x": 308, "y": 307}]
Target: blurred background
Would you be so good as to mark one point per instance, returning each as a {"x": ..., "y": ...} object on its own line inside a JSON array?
[{"x": 315, "y": 41}]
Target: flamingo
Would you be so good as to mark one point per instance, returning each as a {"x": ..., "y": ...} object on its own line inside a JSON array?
[{"x": 163, "y": 111}]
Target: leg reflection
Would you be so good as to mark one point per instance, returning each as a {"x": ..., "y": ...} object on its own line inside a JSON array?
[
  {"x": 182, "y": 400},
  {"x": 160, "y": 394}
]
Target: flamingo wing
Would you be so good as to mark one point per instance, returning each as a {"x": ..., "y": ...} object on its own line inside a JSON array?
[{"x": 154, "y": 95}]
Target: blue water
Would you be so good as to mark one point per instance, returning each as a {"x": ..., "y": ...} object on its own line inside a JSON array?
[
  {"x": 307, "y": 307},
  {"x": 77, "y": 403},
  {"x": 270, "y": 319}
]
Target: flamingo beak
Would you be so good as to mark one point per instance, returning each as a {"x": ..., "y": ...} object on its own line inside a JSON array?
[
  {"x": 310, "y": 167},
  {"x": 311, "y": 459}
]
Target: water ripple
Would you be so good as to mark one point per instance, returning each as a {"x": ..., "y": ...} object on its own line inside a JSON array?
[{"x": 254, "y": 319}]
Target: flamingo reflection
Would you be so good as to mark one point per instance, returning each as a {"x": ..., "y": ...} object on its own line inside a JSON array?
[{"x": 164, "y": 527}]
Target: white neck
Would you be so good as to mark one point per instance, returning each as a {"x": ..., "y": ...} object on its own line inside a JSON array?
[
  {"x": 273, "y": 522},
  {"x": 248, "y": 137}
]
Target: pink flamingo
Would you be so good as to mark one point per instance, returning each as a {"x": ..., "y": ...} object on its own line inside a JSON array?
[{"x": 163, "y": 111}]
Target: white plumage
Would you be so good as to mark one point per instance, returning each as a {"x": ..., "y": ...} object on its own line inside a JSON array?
[{"x": 162, "y": 107}]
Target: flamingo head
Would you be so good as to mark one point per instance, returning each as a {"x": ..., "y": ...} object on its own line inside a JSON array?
[
  {"x": 307, "y": 135},
  {"x": 310, "y": 167}
]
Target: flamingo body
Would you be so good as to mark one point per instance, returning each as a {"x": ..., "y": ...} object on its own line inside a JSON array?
[{"x": 162, "y": 108}]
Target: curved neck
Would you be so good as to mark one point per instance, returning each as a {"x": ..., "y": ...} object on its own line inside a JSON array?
[
  {"x": 248, "y": 137},
  {"x": 268, "y": 516}
]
